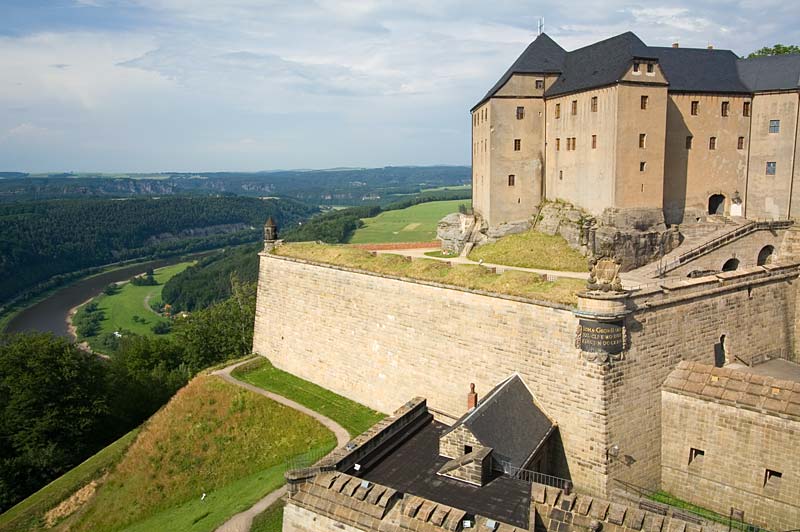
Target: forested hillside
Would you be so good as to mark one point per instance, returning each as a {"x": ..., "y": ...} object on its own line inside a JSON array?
[
  {"x": 345, "y": 186},
  {"x": 40, "y": 240}
]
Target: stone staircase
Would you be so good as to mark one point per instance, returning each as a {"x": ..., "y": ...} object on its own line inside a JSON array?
[{"x": 699, "y": 239}]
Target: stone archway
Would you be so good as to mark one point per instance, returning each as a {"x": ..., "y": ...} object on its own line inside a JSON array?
[
  {"x": 766, "y": 255},
  {"x": 716, "y": 204},
  {"x": 730, "y": 265}
]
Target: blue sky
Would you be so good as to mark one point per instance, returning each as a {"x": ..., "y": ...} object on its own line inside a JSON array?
[{"x": 184, "y": 85}]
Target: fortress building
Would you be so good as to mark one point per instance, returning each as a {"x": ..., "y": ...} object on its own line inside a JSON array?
[{"x": 638, "y": 134}]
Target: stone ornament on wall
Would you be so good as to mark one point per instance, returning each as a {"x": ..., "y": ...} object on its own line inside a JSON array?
[{"x": 604, "y": 275}]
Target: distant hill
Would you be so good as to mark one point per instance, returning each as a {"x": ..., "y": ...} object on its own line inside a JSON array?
[{"x": 336, "y": 187}]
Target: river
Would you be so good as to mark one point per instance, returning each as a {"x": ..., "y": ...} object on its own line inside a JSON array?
[{"x": 50, "y": 314}]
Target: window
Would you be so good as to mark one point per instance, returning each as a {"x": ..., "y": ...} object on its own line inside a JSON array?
[
  {"x": 520, "y": 113},
  {"x": 712, "y": 143},
  {"x": 696, "y": 456},
  {"x": 724, "y": 110},
  {"x": 467, "y": 449},
  {"x": 746, "y": 109},
  {"x": 644, "y": 102},
  {"x": 642, "y": 166},
  {"x": 740, "y": 143},
  {"x": 594, "y": 104},
  {"x": 558, "y": 110},
  {"x": 636, "y": 67},
  {"x": 771, "y": 167},
  {"x": 594, "y": 142},
  {"x": 650, "y": 68},
  {"x": 689, "y": 142},
  {"x": 642, "y": 140},
  {"x": 774, "y": 126},
  {"x": 560, "y": 175},
  {"x": 517, "y": 144},
  {"x": 574, "y": 107},
  {"x": 772, "y": 479},
  {"x": 511, "y": 179},
  {"x": 558, "y": 143},
  {"x": 539, "y": 83},
  {"x": 695, "y": 106}
]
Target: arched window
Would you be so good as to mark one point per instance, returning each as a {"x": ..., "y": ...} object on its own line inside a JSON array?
[
  {"x": 766, "y": 255},
  {"x": 716, "y": 204},
  {"x": 730, "y": 265}
]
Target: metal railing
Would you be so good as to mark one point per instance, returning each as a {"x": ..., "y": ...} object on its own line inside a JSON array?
[
  {"x": 715, "y": 243},
  {"x": 534, "y": 477}
]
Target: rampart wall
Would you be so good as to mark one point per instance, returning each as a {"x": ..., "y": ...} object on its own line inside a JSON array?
[{"x": 380, "y": 340}]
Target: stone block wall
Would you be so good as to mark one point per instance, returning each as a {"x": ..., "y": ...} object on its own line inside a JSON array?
[
  {"x": 380, "y": 340},
  {"x": 738, "y": 446},
  {"x": 755, "y": 310},
  {"x": 452, "y": 444}
]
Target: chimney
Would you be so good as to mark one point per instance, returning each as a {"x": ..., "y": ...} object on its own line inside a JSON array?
[
  {"x": 472, "y": 397},
  {"x": 676, "y": 45},
  {"x": 710, "y": 46}
]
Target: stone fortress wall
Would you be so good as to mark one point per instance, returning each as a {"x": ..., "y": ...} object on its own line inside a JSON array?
[{"x": 379, "y": 340}]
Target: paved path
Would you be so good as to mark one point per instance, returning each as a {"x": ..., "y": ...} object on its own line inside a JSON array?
[
  {"x": 242, "y": 522},
  {"x": 420, "y": 254}
]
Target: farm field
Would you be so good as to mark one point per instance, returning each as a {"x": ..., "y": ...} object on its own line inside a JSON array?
[
  {"x": 129, "y": 308},
  {"x": 413, "y": 224}
]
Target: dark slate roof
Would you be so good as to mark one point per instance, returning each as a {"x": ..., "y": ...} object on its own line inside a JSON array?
[
  {"x": 686, "y": 69},
  {"x": 598, "y": 64},
  {"x": 542, "y": 56},
  {"x": 509, "y": 421},
  {"x": 775, "y": 72},
  {"x": 700, "y": 69},
  {"x": 412, "y": 468}
]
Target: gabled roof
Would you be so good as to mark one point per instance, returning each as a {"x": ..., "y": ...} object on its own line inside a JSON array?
[
  {"x": 700, "y": 69},
  {"x": 776, "y": 72},
  {"x": 509, "y": 421},
  {"x": 542, "y": 56},
  {"x": 599, "y": 64}
]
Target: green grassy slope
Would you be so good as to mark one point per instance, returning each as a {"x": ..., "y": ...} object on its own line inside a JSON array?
[
  {"x": 27, "y": 515},
  {"x": 355, "y": 418},
  {"x": 532, "y": 249},
  {"x": 413, "y": 224},
  {"x": 213, "y": 438}
]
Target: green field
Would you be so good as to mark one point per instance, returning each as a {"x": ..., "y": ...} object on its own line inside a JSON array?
[
  {"x": 134, "y": 301},
  {"x": 414, "y": 224},
  {"x": 355, "y": 418}
]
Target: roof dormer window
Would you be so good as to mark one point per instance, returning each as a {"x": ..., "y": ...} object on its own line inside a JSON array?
[
  {"x": 651, "y": 68},
  {"x": 636, "y": 67}
]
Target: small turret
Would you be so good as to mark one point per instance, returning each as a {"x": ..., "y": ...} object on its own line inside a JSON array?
[
  {"x": 270, "y": 230},
  {"x": 270, "y": 234}
]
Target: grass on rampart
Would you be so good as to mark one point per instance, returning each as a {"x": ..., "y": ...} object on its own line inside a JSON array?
[
  {"x": 354, "y": 417},
  {"x": 27, "y": 515},
  {"x": 532, "y": 249},
  {"x": 213, "y": 438},
  {"x": 412, "y": 224},
  {"x": 514, "y": 283}
]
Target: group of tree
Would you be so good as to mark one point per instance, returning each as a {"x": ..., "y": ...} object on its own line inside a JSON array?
[
  {"x": 87, "y": 320},
  {"x": 42, "y": 240},
  {"x": 60, "y": 404},
  {"x": 148, "y": 279},
  {"x": 778, "y": 49}
]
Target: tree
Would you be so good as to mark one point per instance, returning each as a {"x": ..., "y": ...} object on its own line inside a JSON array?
[
  {"x": 778, "y": 49},
  {"x": 222, "y": 331},
  {"x": 53, "y": 408}
]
